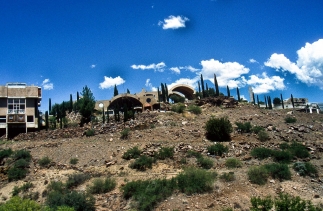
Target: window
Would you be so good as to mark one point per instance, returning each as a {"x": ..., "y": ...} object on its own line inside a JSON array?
[
  {"x": 16, "y": 106},
  {"x": 2, "y": 119},
  {"x": 30, "y": 118}
]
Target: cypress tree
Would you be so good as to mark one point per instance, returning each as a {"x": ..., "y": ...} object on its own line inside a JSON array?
[
  {"x": 158, "y": 93},
  {"x": 292, "y": 99},
  {"x": 238, "y": 93},
  {"x": 217, "y": 93},
  {"x": 46, "y": 120},
  {"x": 77, "y": 96},
  {"x": 166, "y": 93},
  {"x": 253, "y": 98},
  {"x": 128, "y": 91},
  {"x": 207, "y": 90},
  {"x": 115, "y": 93},
  {"x": 50, "y": 105},
  {"x": 228, "y": 91},
  {"x": 198, "y": 82},
  {"x": 266, "y": 102},
  {"x": 258, "y": 101},
  {"x": 103, "y": 115},
  {"x": 71, "y": 104},
  {"x": 163, "y": 92},
  {"x": 281, "y": 98},
  {"x": 202, "y": 83}
]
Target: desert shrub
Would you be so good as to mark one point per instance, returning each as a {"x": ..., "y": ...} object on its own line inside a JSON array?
[
  {"x": 24, "y": 188},
  {"x": 244, "y": 127},
  {"x": 279, "y": 171},
  {"x": 263, "y": 136},
  {"x": 45, "y": 161},
  {"x": 290, "y": 119},
  {"x": 183, "y": 161},
  {"x": 22, "y": 154},
  {"x": 296, "y": 149},
  {"x": 21, "y": 163},
  {"x": 191, "y": 153},
  {"x": 102, "y": 186},
  {"x": 89, "y": 132},
  {"x": 178, "y": 108},
  {"x": 194, "y": 109},
  {"x": 217, "y": 149},
  {"x": 74, "y": 161},
  {"x": 227, "y": 176},
  {"x": 282, "y": 156},
  {"x": 80, "y": 201},
  {"x": 205, "y": 163},
  {"x": 261, "y": 152},
  {"x": 258, "y": 175},
  {"x": 18, "y": 204},
  {"x": 305, "y": 169},
  {"x": 131, "y": 153},
  {"x": 15, "y": 173},
  {"x": 233, "y": 163},
  {"x": 142, "y": 163},
  {"x": 56, "y": 186},
  {"x": 218, "y": 129},
  {"x": 177, "y": 99},
  {"x": 292, "y": 203},
  {"x": 194, "y": 180},
  {"x": 5, "y": 153},
  {"x": 257, "y": 129},
  {"x": 165, "y": 152},
  {"x": 125, "y": 133},
  {"x": 259, "y": 204},
  {"x": 74, "y": 180}
]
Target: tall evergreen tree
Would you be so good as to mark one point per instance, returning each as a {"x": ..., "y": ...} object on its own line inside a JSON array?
[
  {"x": 103, "y": 115},
  {"x": 281, "y": 98},
  {"x": 46, "y": 120},
  {"x": 202, "y": 84},
  {"x": 163, "y": 92},
  {"x": 198, "y": 82},
  {"x": 86, "y": 104},
  {"x": 217, "y": 92},
  {"x": 77, "y": 97},
  {"x": 270, "y": 105},
  {"x": 292, "y": 99},
  {"x": 128, "y": 91},
  {"x": 253, "y": 98},
  {"x": 166, "y": 93},
  {"x": 206, "y": 90},
  {"x": 115, "y": 93},
  {"x": 158, "y": 93},
  {"x": 228, "y": 91},
  {"x": 50, "y": 106},
  {"x": 266, "y": 102},
  {"x": 238, "y": 94},
  {"x": 258, "y": 101},
  {"x": 71, "y": 104}
]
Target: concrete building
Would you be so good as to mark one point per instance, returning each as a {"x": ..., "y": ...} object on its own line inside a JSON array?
[{"x": 19, "y": 108}]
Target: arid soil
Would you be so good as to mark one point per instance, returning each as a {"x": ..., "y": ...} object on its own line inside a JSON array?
[{"x": 100, "y": 155}]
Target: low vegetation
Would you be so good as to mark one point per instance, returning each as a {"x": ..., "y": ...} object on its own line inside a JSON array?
[
  {"x": 233, "y": 163},
  {"x": 102, "y": 186},
  {"x": 290, "y": 119},
  {"x": 132, "y": 153},
  {"x": 218, "y": 129},
  {"x": 44, "y": 162},
  {"x": 217, "y": 149}
]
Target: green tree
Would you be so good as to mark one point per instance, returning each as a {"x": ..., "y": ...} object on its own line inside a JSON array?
[
  {"x": 258, "y": 100},
  {"x": 281, "y": 97},
  {"x": 86, "y": 104},
  {"x": 199, "y": 85},
  {"x": 128, "y": 91},
  {"x": 253, "y": 98},
  {"x": 276, "y": 101},
  {"x": 70, "y": 108},
  {"x": 217, "y": 93},
  {"x": 50, "y": 106},
  {"x": 238, "y": 94},
  {"x": 292, "y": 99},
  {"x": 115, "y": 92},
  {"x": 266, "y": 102},
  {"x": 228, "y": 91},
  {"x": 202, "y": 83},
  {"x": 166, "y": 93},
  {"x": 46, "y": 120},
  {"x": 163, "y": 92}
]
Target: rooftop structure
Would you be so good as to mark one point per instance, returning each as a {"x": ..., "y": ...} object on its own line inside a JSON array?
[{"x": 19, "y": 108}]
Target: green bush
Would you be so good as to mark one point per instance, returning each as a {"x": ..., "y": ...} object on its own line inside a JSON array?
[
  {"x": 258, "y": 175},
  {"x": 218, "y": 129},
  {"x": 102, "y": 186},
  {"x": 233, "y": 163},
  {"x": 296, "y": 149},
  {"x": 18, "y": 204},
  {"x": 194, "y": 109},
  {"x": 15, "y": 173},
  {"x": 125, "y": 133},
  {"x": 24, "y": 188},
  {"x": 89, "y": 132},
  {"x": 178, "y": 108},
  {"x": 142, "y": 163},
  {"x": 261, "y": 152},
  {"x": 165, "y": 152},
  {"x": 228, "y": 177},
  {"x": 257, "y": 129},
  {"x": 205, "y": 163},
  {"x": 22, "y": 154},
  {"x": 45, "y": 161},
  {"x": 263, "y": 136},
  {"x": 131, "y": 153},
  {"x": 290, "y": 119},
  {"x": 279, "y": 171},
  {"x": 21, "y": 163},
  {"x": 259, "y": 204},
  {"x": 74, "y": 180},
  {"x": 244, "y": 127},
  {"x": 56, "y": 186},
  {"x": 5, "y": 153},
  {"x": 282, "y": 156},
  {"x": 305, "y": 169},
  {"x": 74, "y": 161},
  {"x": 217, "y": 149},
  {"x": 194, "y": 180},
  {"x": 191, "y": 153}
]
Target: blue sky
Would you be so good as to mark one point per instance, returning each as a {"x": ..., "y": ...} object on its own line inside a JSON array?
[{"x": 274, "y": 46}]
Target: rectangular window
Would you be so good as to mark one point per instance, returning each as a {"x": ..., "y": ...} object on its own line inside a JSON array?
[
  {"x": 2, "y": 119},
  {"x": 30, "y": 118},
  {"x": 16, "y": 106}
]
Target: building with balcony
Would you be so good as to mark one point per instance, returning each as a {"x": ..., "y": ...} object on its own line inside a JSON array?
[{"x": 19, "y": 108}]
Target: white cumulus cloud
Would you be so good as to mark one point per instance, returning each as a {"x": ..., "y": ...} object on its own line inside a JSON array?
[
  {"x": 227, "y": 73},
  {"x": 149, "y": 85},
  {"x": 47, "y": 85},
  {"x": 175, "y": 70},
  {"x": 264, "y": 83},
  {"x": 156, "y": 67},
  {"x": 93, "y": 66},
  {"x": 109, "y": 82},
  {"x": 253, "y": 61},
  {"x": 309, "y": 65},
  {"x": 173, "y": 22}
]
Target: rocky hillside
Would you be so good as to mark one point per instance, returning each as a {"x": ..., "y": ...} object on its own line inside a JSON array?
[{"x": 101, "y": 156}]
